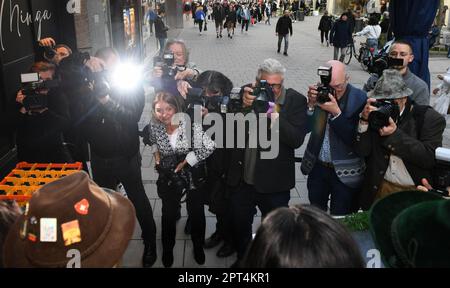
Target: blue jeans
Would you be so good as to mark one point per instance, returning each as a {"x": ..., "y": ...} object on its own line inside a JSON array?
[
  {"x": 372, "y": 43},
  {"x": 286, "y": 42},
  {"x": 162, "y": 43},
  {"x": 243, "y": 208},
  {"x": 323, "y": 182}
]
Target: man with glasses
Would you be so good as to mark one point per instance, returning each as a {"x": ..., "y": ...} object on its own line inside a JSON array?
[
  {"x": 254, "y": 180},
  {"x": 330, "y": 161},
  {"x": 402, "y": 50}
]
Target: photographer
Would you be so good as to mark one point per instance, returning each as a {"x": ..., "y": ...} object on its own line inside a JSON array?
[
  {"x": 403, "y": 51},
  {"x": 43, "y": 116},
  {"x": 256, "y": 180},
  {"x": 111, "y": 128},
  {"x": 173, "y": 72},
  {"x": 52, "y": 52},
  {"x": 180, "y": 169},
  {"x": 330, "y": 159},
  {"x": 216, "y": 86},
  {"x": 398, "y": 139}
]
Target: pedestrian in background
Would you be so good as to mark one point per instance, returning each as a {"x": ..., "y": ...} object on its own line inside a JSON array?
[
  {"x": 283, "y": 30},
  {"x": 325, "y": 27}
]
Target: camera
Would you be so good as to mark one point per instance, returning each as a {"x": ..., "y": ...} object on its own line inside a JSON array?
[
  {"x": 264, "y": 94},
  {"x": 100, "y": 83},
  {"x": 225, "y": 104},
  {"x": 171, "y": 179},
  {"x": 324, "y": 89},
  {"x": 35, "y": 91},
  {"x": 49, "y": 52},
  {"x": 195, "y": 97},
  {"x": 380, "y": 118},
  {"x": 383, "y": 62},
  {"x": 441, "y": 172},
  {"x": 166, "y": 62}
]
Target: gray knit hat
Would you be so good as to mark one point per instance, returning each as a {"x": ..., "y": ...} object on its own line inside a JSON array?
[{"x": 390, "y": 86}]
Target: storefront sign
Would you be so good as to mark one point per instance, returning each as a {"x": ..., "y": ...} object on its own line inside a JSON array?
[{"x": 11, "y": 19}]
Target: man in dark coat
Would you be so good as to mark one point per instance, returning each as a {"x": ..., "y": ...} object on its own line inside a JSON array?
[
  {"x": 254, "y": 179},
  {"x": 340, "y": 37},
  {"x": 161, "y": 31},
  {"x": 283, "y": 29},
  {"x": 325, "y": 27},
  {"x": 400, "y": 153}
]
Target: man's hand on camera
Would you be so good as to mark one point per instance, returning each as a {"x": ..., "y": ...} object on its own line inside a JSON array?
[
  {"x": 368, "y": 108},
  {"x": 95, "y": 64},
  {"x": 248, "y": 98},
  {"x": 388, "y": 130},
  {"x": 312, "y": 96},
  {"x": 47, "y": 42},
  {"x": 20, "y": 97},
  {"x": 187, "y": 74},
  {"x": 157, "y": 72},
  {"x": 331, "y": 106},
  {"x": 182, "y": 87}
]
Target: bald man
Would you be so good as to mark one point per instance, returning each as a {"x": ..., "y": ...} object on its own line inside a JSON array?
[{"x": 333, "y": 167}]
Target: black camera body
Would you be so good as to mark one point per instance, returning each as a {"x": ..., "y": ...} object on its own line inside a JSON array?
[
  {"x": 264, "y": 95},
  {"x": 324, "y": 89},
  {"x": 49, "y": 52},
  {"x": 171, "y": 179},
  {"x": 35, "y": 91},
  {"x": 380, "y": 118},
  {"x": 166, "y": 62},
  {"x": 100, "y": 83},
  {"x": 225, "y": 104},
  {"x": 383, "y": 62}
]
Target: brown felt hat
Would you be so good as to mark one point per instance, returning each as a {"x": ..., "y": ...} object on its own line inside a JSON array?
[{"x": 97, "y": 223}]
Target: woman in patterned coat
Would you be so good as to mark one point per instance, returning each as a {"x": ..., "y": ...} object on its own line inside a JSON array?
[{"x": 181, "y": 155}]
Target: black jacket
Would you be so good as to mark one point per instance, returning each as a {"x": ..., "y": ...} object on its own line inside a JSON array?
[
  {"x": 40, "y": 135},
  {"x": 325, "y": 23},
  {"x": 341, "y": 34},
  {"x": 276, "y": 175},
  {"x": 112, "y": 129},
  {"x": 284, "y": 26},
  {"x": 415, "y": 148},
  {"x": 160, "y": 28}
]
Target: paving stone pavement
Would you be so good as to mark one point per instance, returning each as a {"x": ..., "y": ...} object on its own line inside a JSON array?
[{"x": 238, "y": 58}]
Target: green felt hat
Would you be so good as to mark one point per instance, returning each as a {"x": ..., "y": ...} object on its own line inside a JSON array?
[{"x": 412, "y": 229}]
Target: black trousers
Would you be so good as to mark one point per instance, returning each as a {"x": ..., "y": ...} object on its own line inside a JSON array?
[
  {"x": 243, "y": 208},
  {"x": 107, "y": 172},
  {"x": 322, "y": 34},
  {"x": 171, "y": 199}
]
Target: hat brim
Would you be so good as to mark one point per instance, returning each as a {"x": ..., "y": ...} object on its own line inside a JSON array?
[
  {"x": 383, "y": 213},
  {"x": 406, "y": 93},
  {"x": 107, "y": 255}
]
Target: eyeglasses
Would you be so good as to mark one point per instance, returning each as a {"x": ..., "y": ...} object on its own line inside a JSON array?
[{"x": 275, "y": 86}]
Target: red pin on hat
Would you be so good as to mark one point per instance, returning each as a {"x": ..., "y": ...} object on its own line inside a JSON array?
[{"x": 82, "y": 207}]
